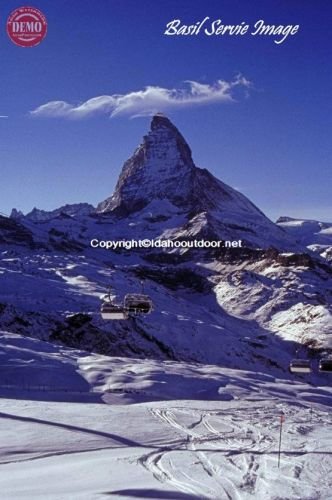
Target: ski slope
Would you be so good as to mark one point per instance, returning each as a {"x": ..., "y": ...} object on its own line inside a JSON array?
[{"x": 127, "y": 428}]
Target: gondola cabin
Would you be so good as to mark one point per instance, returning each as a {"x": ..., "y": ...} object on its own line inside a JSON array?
[
  {"x": 113, "y": 311},
  {"x": 137, "y": 303},
  {"x": 300, "y": 366},
  {"x": 325, "y": 365}
]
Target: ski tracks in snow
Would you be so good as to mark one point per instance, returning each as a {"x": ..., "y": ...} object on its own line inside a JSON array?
[
  {"x": 203, "y": 465},
  {"x": 232, "y": 454}
]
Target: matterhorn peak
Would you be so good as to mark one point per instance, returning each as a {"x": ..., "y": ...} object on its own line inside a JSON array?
[
  {"x": 161, "y": 168},
  {"x": 159, "y": 120},
  {"x": 162, "y": 173}
]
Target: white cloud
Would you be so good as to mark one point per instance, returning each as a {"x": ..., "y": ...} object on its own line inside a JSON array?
[
  {"x": 147, "y": 101},
  {"x": 3, "y": 116}
]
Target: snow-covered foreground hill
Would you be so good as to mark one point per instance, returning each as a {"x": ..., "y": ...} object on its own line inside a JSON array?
[{"x": 168, "y": 429}]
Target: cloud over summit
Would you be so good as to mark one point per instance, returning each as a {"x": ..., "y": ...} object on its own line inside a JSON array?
[{"x": 147, "y": 101}]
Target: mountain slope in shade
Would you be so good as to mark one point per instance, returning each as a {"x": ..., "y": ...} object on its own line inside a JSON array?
[
  {"x": 162, "y": 170},
  {"x": 15, "y": 233}
]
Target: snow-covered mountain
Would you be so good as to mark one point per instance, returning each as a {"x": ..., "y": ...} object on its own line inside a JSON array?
[
  {"x": 316, "y": 235},
  {"x": 238, "y": 307},
  {"x": 209, "y": 365},
  {"x": 162, "y": 173},
  {"x": 37, "y": 215}
]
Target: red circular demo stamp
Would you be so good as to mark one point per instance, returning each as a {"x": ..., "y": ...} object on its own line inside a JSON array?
[{"x": 26, "y": 26}]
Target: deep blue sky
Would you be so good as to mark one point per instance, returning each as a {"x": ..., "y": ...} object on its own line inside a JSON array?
[{"x": 274, "y": 146}]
